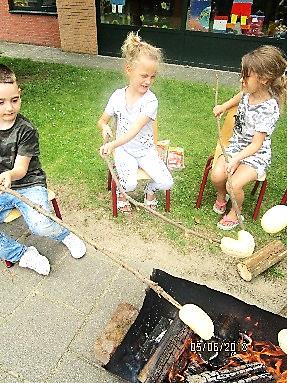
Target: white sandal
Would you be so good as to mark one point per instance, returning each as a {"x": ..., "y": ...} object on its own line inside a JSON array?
[
  {"x": 150, "y": 203},
  {"x": 124, "y": 206}
]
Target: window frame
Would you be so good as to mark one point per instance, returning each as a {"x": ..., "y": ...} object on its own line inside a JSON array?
[{"x": 37, "y": 9}]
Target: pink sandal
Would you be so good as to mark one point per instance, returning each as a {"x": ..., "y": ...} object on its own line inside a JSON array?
[
  {"x": 228, "y": 224},
  {"x": 219, "y": 207}
]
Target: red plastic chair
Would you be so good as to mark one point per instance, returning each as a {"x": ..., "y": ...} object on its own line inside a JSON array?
[
  {"x": 142, "y": 175},
  {"x": 284, "y": 199},
  {"x": 14, "y": 214},
  {"x": 226, "y": 132}
]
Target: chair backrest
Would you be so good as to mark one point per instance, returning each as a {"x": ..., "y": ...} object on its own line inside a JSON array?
[
  {"x": 226, "y": 131},
  {"x": 155, "y": 131}
]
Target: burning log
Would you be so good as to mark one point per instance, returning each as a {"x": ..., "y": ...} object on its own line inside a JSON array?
[
  {"x": 261, "y": 260},
  {"x": 249, "y": 372},
  {"x": 159, "y": 364}
]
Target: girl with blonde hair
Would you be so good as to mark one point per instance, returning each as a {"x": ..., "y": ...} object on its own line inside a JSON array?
[{"x": 135, "y": 109}]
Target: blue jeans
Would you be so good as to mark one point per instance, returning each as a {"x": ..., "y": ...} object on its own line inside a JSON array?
[{"x": 12, "y": 250}]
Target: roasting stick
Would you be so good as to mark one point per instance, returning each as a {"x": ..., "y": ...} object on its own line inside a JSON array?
[
  {"x": 229, "y": 182},
  {"x": 109, "y": 254},
  {"x": 154, "y": 212},
  {"x": 188, "y": 313}
]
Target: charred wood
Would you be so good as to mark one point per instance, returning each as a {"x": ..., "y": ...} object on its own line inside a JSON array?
[
  {"x": 233, "y": 374},
  {"x": 165, "y": 355}
]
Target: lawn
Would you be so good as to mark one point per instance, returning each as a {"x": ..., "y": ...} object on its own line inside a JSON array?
[{"x": 65, "y": 102}]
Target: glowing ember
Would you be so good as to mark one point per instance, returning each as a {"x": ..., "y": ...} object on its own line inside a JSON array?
[{"x": 266, "y": 353}]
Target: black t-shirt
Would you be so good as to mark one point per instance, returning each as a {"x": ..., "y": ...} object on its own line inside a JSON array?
[{"x": 22, "y": 139}]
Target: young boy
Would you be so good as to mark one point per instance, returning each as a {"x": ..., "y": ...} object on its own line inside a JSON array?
[{"x": 20, "y": 169}]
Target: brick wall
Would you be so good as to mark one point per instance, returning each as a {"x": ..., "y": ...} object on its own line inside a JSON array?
[
  {"x": 28, "y": 28},
  {"x": 77, "y": 22}
]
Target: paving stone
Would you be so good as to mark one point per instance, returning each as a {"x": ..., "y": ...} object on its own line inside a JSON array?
[
  {"x": 124, "y": 288},
  {"x": 75, "y": 370},
  {"x": 36, "y": 335},
  {"x": 79, "y": 282}
]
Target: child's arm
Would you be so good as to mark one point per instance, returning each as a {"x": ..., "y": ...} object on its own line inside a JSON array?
[
  {"x": 103, "y": 125},
  {"x": 234, "y": 101},
  {"x": 133, "y": 131},
  {"x": 19, "y": 170},
  {"x": 251, "y": 149}
]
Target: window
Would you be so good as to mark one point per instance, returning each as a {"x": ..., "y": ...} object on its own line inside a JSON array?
[
  {"x": 33, "y": 6},
  {"x": 242, "y": 17},
  {"x": 146, "y": 13}
]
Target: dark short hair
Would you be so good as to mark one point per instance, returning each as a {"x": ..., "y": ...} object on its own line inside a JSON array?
[{"x": 7, "y": 76}]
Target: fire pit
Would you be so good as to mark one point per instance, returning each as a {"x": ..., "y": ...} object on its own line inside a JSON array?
[{"x": 160, "y": 348}]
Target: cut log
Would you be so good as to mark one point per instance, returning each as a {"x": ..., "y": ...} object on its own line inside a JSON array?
[
  {"x": 261, "y": 260},
  {"x": 242, "y": 373}
]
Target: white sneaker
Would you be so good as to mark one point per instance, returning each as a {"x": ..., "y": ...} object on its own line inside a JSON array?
[
  {"x": 32, "y": 259},
  {"x": 75, "y": 245}
]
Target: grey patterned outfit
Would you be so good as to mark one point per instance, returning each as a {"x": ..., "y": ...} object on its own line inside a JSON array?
[{"x": 249, "y": 120}]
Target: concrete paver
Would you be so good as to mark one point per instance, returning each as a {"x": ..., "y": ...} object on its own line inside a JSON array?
[{"x": 74, "y": 369}]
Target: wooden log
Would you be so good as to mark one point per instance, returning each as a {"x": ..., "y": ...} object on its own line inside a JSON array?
[
  {"x": 231, "y": 374},
  {"x": 262, "y": 378},
  {"x": 157, "y": 367},
  {"x": 261, "y": 260}
]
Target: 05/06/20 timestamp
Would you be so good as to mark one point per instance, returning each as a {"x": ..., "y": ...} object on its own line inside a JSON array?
[{"x": 233, "y": 347}]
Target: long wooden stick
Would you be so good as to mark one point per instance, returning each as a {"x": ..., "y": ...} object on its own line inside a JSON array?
[
  {"x": 229, "y": 182},
  {"x": 114, "y": 257},
  {"x": 185, "y": 229}
]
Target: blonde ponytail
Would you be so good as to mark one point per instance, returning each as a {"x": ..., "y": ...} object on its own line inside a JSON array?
[{"x": 134, "y": 47}]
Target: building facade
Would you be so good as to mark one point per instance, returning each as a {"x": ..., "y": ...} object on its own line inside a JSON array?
[{"x": 205, "y": 33}]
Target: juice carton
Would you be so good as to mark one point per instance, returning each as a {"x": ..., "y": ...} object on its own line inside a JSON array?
[
  {"x": 162, "y": 148},
  {"x": 175, "y": 158}
]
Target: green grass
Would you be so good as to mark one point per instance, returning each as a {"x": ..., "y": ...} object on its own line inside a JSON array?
[{"x": 65, "y": 102}]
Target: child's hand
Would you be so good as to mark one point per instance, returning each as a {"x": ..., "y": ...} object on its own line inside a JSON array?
[
  {"x": 106, "y": 132},
  {"x": 5, "y": 179},
  {"x": 107, "y": 149},
  {"x": 232, "y": 165},
  {"x": 218, "y": 110}
]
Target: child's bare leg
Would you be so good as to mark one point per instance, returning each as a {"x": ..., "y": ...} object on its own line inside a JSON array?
[
  {"x": 219, "y": 177},
  {"x": 242, "y": 176}
]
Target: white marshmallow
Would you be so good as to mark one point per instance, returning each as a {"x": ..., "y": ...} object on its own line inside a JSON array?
[
  {"x": 282, "y": 340},
  {"x": 241, "y": 248},
  {"x": 275, "y": 219},
  {"x": 197, "y": 319}
]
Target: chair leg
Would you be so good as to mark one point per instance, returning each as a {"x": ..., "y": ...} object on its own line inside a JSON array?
[
  {"x": 284, "y": 199},
  {"x": 167, "y": 200},
  {"x": 114, "y": 198},
  {"x": 255, "y": 187},
  {"x": 259, "y": 200},
  {"x": 56, "y": 208},
  {"x": 9, "y": 264},
  {"x": 203, "y": 181},
  {"x": 109, "y": 180}
]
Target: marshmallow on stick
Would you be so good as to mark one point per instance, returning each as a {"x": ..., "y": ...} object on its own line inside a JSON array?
[
  {"x": 197, "y": 319},
  {"x": 282, "y": 340},
  {"x": 275, "y": 219}
]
